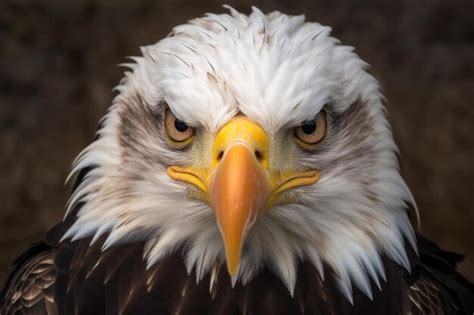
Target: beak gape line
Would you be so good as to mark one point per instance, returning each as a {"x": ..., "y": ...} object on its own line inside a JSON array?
[{"x": 239, "y": 185}]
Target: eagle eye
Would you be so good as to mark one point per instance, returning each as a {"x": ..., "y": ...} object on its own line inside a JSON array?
[
  {"x": 177, "y": 129},
  {"x": 312, "y": 131},
  {"x": 180, "y": 125}
]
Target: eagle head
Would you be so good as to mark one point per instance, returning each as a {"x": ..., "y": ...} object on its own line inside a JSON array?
[{"x": 253, "y": 141}]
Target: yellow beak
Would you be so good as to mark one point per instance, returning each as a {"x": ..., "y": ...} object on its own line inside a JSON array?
[
  {"x": 239, "y": 190},
  {"x": 239, "y": 184}
]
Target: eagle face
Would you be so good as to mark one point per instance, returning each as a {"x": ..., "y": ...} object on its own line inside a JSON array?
[{"x": 255, "y": 141}]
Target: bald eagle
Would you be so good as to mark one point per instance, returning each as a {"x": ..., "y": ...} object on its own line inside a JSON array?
[{"x": 245, "y": 166}]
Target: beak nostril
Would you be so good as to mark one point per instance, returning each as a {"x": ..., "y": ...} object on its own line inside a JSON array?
[
  {"x": 257, "y": 153},
  {"x": 220, "y": 155}
]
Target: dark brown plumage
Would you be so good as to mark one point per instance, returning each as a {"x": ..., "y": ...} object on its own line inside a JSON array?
[{"x": 75, "y": 278}]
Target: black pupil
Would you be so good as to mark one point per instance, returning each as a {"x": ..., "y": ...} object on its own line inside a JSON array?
[
  {"x": 180, "y": 125},
  {"x": 309, "y": 127}
]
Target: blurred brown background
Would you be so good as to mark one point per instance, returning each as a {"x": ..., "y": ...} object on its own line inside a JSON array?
[{"x": 58, "y": 67}]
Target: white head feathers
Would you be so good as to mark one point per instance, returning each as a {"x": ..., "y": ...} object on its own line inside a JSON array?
[{"x": 279, "y": 71}]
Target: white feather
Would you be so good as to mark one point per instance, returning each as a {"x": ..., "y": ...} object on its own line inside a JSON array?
[{"x": 279, "y": 71}]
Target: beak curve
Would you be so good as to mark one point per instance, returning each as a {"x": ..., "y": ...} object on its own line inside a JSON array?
[{"x": 239, "y": 192}]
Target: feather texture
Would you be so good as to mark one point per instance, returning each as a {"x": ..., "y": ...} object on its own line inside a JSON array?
[
  {"x": 279, "y": 71},
  {"x": 75, "y": 278},
  {"x": 133, "y": 240}
]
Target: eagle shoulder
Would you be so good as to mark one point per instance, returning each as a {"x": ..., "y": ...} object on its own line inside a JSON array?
[
  {"x": 30, "y": 287},
  {"x": 436, "y": 287}
]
